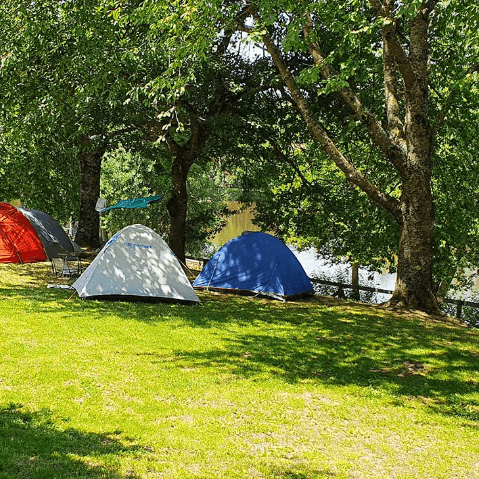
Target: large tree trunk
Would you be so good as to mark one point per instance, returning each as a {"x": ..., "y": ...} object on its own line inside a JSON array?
[
  {"x": 88, "y": 232},
  {"x": 414, "y": 285}
]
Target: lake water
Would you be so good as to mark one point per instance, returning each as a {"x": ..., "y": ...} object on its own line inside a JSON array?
[{"x": 318, "y": 267}]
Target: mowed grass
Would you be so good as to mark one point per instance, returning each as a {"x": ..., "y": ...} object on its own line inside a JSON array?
[{"x": 236, "y": 387}]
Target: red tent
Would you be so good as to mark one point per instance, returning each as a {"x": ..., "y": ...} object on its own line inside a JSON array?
[{"x": 19, "y": 242}]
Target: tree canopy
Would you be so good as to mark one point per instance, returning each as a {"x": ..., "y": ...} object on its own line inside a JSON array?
[
  {"x": 354, "y": 129},
  {"x": 397, "y": 74},
  {"x": 80, "y": 71}
]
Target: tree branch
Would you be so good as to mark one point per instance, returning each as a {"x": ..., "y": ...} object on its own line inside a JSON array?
[
  {"x": 351, "y": 174},
  {"x": 391, "y": 150},
  {"x": 395, "y": 124}
]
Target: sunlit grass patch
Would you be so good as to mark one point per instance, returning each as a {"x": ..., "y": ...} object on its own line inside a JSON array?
[{"x": 234, "y": 387}]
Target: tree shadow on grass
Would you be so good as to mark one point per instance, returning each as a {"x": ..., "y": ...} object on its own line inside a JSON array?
[
  {"x": 431, "y": 361},
  {"x": 32, "y": 447},
  {"x": 434, "y": 362},
  {"x": 31, "y": 274}
]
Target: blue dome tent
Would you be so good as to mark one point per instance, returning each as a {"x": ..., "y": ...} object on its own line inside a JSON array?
[{"x": 258, "y": 263}]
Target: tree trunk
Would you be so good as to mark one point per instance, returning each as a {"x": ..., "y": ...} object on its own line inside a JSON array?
[
  {"x": 414, "y": 285},
  {"x": 355, "y": 281},
  {"x": 88, "y": 232},
  {"x": 184, "y": 158},
  {"x": 178, "y": 207}
]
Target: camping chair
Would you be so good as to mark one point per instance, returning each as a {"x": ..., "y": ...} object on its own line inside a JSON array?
[{"x": 66, "y": 265}]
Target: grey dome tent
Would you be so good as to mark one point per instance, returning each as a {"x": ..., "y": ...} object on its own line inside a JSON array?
[
  {"x": 136, "y": 264},
  {"x": 54, "y": 239}
]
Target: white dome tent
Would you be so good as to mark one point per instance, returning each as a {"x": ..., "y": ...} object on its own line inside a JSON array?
[{"x": 136, "y": 264}]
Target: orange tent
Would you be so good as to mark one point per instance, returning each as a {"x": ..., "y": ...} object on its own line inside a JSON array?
[{"x": 19, "y": 242}]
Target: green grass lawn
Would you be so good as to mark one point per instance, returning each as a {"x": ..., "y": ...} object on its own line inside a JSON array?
[{"x": 236, "y": 387}]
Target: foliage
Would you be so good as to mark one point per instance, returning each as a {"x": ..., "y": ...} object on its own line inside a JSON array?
[
  {"x": 33, "y": 174},
  {"x": 132, "y": 175},
  {"x": 67, "y": 81},
  {"x": 302, "y": 197}
]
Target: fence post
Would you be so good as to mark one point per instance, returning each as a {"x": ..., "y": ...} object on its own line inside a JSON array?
[
  {"x": 355, "y": 281},
  {"x": 340, "y": 292},
  {"x": 460, "y": 303}
]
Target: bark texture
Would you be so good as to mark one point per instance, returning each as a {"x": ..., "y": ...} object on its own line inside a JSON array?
[
  {"x": 414, "y": 284},
  {"x": 88, "y": 232},
  {"x": 178, "y": 204}
]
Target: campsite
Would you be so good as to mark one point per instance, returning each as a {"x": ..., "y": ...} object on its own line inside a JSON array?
[
  {"x": 122, "y": 369},
  {"x": 134, "y": 343}
]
